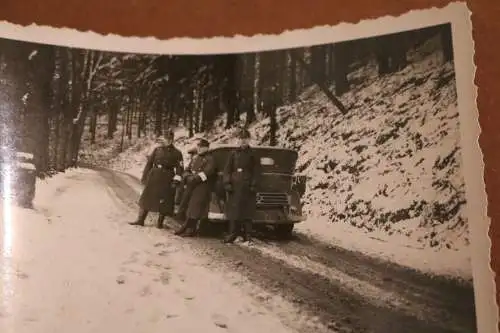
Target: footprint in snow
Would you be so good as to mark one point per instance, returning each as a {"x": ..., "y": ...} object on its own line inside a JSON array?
[
  {"x": 146, "y": 291},
  {"x": 164, "y": 278},
  {"x": 219, "y": 320},
  {"x": 170, "y": 316}
]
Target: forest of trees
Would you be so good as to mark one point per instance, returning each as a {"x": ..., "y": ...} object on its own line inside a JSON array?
[{"x": 51, "y": 94}]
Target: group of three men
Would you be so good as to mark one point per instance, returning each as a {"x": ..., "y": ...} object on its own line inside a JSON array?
[{"x": 164, "y": 174}]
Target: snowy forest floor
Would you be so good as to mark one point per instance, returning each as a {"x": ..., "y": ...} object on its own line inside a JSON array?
[{"x": 384, "y": 180}]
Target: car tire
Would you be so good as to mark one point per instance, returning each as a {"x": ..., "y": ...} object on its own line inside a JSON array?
[
  {"x": 205, "y": 227},
  {"x": 284, "y": 231}
]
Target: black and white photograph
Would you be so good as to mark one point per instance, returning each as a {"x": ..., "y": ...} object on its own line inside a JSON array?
[{"x": 327, "y": 180}]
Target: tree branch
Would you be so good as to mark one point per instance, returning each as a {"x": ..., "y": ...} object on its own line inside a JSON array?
[{"x": 297, "y": 59}]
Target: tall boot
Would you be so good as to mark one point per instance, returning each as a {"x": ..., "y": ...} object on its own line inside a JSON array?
[
  {"x": 234, "y": 231},
  {"x": 141, "y": 218},
  {"x": 183, "y": 205},
  {"x": 191, "y": 224},
  {"x": 247, "y": 230},
  {"x": 159, "y": 223},
  {"x": 182, "y": 229}
]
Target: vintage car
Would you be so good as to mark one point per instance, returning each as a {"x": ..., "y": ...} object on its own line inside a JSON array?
[
  {"x": 17, "y": 175},
  {"x": 279, "y": 189}
]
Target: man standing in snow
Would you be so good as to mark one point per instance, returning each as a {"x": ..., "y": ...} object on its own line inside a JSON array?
[
  {"x": 199, "y": 189},
  {"x": 240, "y": 179},
  {"x": 182, "y": 195},
  {"x": 160, "y": 178}
]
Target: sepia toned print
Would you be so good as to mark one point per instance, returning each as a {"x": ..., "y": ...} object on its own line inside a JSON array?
[{"x": 320, "y": 185}]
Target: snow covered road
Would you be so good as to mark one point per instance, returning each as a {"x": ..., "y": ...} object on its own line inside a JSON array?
[{"x": 74, "y": 265}]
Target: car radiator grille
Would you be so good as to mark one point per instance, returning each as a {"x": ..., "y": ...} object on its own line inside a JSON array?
[{"x": 270, "y": 199}]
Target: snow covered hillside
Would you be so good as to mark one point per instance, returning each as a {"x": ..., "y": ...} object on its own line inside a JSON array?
[{"x": 391, "y": 167}]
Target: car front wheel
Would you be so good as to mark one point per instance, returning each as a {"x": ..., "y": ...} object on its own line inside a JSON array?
[{"x": 284, "y": 231}]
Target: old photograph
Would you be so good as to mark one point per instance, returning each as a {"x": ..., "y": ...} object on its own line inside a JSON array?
[{"x": 330, "y": 186}]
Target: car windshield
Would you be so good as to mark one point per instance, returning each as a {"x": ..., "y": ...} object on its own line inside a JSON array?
[{"x": 273, "y": 160}]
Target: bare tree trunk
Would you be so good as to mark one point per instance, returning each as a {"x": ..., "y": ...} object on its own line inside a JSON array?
[
  {"x": 293, "y": 79},
  {"x": 191, "y": 111},
  {"x": 273, "y": 128},
  {"x": 93, "y": 125},
  {"x": 249, "y": 95},
  {"x": 399, "y": 61},
  {"x": 128, "y": 125},
  {"x": 229, "y": 91},
  {"x": 447, "y": 43},
  {"x": 122, "y": 139},
  {"x": 48, "y": 63},
  {"x": 341, "y": 69},
  {"x": 322, "y": 86},
  {"x": 318, "y": 63},
  {"x": 259, "y": 87},
  {"x": 306, "y": 76},
  {"x": 41, "y": 70},
  {"x": 140, "y": 115},
  {"x": 281, "y": 77},
  {"x": 382, "y": 54},
  {"x": 64, "y": 103},
  {"x": 158, "y": 119}
]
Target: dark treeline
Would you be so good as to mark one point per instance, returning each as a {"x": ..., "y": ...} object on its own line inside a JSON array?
[{"x": 51, "y": 94}]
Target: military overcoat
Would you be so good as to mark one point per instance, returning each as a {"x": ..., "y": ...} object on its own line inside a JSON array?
[
  {"x": 240, "y": 177},
  {"x": 202, "y": 179},
  {"x": 164, "y": 165}
]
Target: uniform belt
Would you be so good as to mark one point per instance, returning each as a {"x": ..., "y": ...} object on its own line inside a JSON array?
[{"x": 161, "y": 166}]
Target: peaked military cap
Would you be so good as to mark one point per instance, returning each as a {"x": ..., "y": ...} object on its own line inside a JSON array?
[
  {"x": 243, "y": 133},
  {"x": 169, "y": 134}
]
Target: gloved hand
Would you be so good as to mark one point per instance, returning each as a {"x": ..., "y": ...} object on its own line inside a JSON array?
[
  {"x": 196, "y": 180},
  {"x": 189, "y": 179}
]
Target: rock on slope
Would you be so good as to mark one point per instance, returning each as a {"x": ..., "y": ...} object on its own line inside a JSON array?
[{"x": 392, "y": 164}]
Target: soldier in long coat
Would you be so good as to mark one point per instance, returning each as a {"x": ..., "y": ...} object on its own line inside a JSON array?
[
  {"x": 160, "y": 178},
  {"x": 199, "y": 189},
  {"x": 181, "y": 189},
  {"x": 240, "y": 177}
]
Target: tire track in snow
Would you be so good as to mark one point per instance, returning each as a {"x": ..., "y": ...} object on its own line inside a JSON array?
[
  {"x": 317, "y": 293},
  {"x": 450, "y": 300},
  {"x": 378, "y": 290},
  {"x": 373, "y": 294}
]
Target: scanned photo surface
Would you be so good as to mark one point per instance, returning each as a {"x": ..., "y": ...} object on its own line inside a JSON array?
[{"x": 303, "y": 184}]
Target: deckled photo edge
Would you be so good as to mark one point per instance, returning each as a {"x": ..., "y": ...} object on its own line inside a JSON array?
[
  {"x": 473, "y": 172},
  {"x": 456, "y": 13},
  {"x": 69, "y": 37}
]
